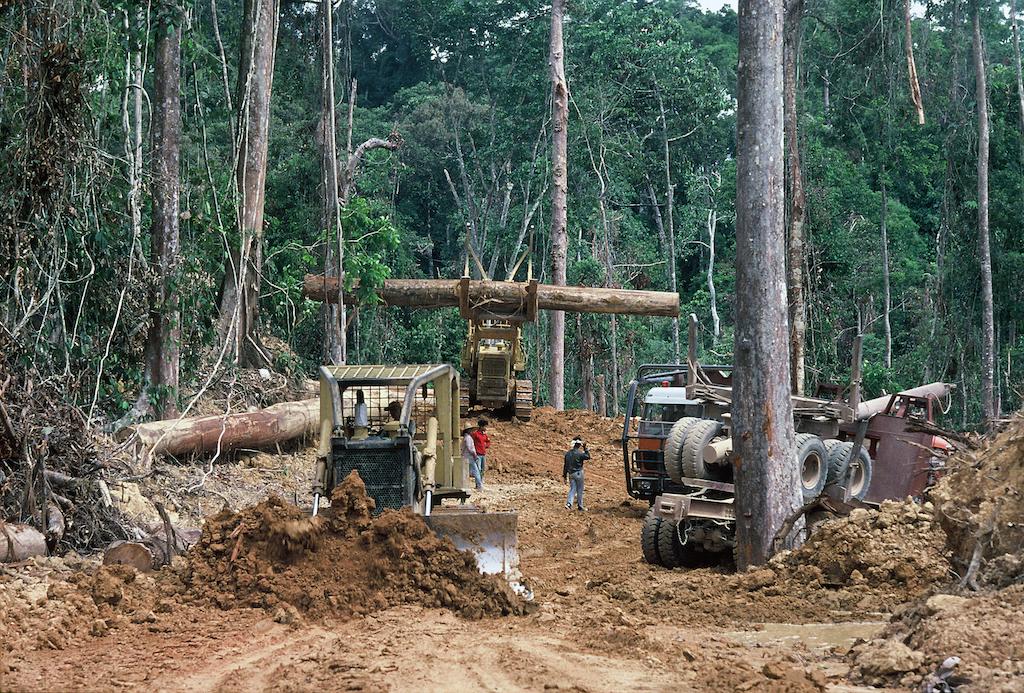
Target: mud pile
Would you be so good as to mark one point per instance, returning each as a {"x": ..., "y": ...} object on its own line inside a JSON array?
[
  {"x": 981, "y": 630},
  {"x": 981, "y": 509},
  {"x": 52, "y": 603},
  {"x": 342, "y": 563},
  {"x": 893, "y": 555}
]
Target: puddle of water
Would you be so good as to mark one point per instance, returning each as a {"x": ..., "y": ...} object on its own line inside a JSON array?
[{"x": 816, "y": 636}]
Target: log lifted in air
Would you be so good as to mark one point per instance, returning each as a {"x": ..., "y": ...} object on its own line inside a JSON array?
[{"x": 493, "y": 356}]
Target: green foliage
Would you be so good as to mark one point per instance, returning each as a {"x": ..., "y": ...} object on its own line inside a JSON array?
[{"x": 465, "y": 84}]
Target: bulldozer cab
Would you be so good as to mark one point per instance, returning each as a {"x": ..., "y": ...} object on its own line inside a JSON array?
[{"x": 398, "y": 426}]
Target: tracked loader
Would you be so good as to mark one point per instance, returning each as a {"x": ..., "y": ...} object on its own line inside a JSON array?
[{"x": 399, "y": 428}]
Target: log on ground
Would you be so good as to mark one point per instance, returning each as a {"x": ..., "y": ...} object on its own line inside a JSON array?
[
  {"x": 203, "y": 434},
  {"x": 504, "y": 297},
  {"x": 18, "y": 542}
]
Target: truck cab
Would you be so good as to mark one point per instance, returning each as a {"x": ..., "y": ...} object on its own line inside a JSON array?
[{"x": 655, "y": 400}]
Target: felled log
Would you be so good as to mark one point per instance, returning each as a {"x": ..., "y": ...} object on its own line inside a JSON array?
[
  {"x": 18, "y": 542},
  {"x": 503, "y": 297},
  {"x": 133, "y": 553},
  {"x": 202, "y": 434}
]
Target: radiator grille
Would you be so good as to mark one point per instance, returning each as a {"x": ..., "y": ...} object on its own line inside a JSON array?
[
  {"x": 385, "y": 471},
  {"x": 494, "y": 367}
]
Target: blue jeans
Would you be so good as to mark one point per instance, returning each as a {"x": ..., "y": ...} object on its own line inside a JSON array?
[
  {"x": 481, "y": 460},
  {"x": 474, "y": 470},
  {"x": 576, "y": 489}
]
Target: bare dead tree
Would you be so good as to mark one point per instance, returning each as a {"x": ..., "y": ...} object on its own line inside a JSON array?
[
  {"x": 767, "y": 482},
  {"x": 908, "y": 45}
]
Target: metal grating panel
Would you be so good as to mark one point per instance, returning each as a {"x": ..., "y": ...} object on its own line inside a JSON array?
[
  {"x": 385, "y": 471},
  {"x": 491, "y": 366}
]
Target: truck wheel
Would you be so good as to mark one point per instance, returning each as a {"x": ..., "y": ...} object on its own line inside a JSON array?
[
  {"x": 857, "y": 476},
  {"x": 668, "y": 544},
  {"x": 674, "y": 446},
  {"x": 697, "y": 438},
  {"x": 649, "y": 538},
  {"x": 811, "y": 459},
  {"x": 832, "y": 458},
  {"x": 858, "y": 479}
]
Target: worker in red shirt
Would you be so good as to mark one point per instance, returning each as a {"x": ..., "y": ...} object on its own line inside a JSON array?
[{"x": 481, "y": 442}]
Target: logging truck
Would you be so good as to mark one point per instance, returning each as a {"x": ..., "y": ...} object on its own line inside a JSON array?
[
  {"x": 678, "y": 456},
  {"x": 493, "y": 356}
]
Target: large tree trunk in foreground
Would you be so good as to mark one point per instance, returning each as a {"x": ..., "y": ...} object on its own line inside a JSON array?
[
  {"x": 275, "y": 424},
  {"x": 163, "y": 344},
  {"x": 915, "y": 86},
  {"x": 797, "y": 200},
  {"x": 505, "y": 297},
  {"x": 560, "y": 192},
  {"x": 767, "y": 481},
  {"x": 988, "y": 359},
  {"x": 239, "y": 305}
]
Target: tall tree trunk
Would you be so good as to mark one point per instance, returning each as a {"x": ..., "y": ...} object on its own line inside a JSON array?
[
  {"x": 767, "y": 481},
  {"x": 797, "y": 200},
  {"x": 163, "y": 344},
  {"x": 560, "y": 191},
  {"x": 337, "y": 346},
  {"x": 586, "y": 365},
  {"x": 915, "y": 86},
  {"x": 716, "y": 323},
  {"x": 669, "y": 218},
  {"x": 133, "y": 138},
  {"x": 239, "y": 305},
  {"x": 984, "y": 253},
  {"x": 1016, "y": 60},
  {"x": 886, "y": 293}
]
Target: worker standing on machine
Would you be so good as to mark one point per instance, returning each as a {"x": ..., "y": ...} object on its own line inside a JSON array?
[
  {"x": 572, "y": 471},
  {"x": 482, "y": 442},
  {"x": 469, "y": 456}
]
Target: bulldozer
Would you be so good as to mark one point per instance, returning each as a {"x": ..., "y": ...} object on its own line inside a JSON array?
[
  {"x": 398, "y": 427},
  {"x": 494, "y": 360}
]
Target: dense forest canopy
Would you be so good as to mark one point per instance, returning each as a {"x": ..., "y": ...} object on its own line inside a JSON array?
[{"x": 458, "y": 92}]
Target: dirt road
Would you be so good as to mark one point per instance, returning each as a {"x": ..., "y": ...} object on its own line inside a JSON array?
[{"x": 603, "y": 619}]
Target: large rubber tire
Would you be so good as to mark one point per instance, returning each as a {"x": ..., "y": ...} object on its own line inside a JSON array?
[
  {"x": 857, "y": 477},
  {"x": 674, "y": 447},
  {"x": 669, "y": 548},
  {"x": 697, "y": 438},
  {"x": 832, "y": 474},
  {"x": 811, "y": 460},
  {"x": 649, "y": 538}
]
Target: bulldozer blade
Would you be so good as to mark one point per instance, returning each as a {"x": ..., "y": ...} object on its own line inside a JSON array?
[{"x": 490, "y": 536}]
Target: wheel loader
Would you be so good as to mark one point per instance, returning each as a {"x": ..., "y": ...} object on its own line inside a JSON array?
[{"x": 399, "y": 428}]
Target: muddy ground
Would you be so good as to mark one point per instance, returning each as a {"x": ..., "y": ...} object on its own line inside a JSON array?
[{"x": 601, "y": 620}]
